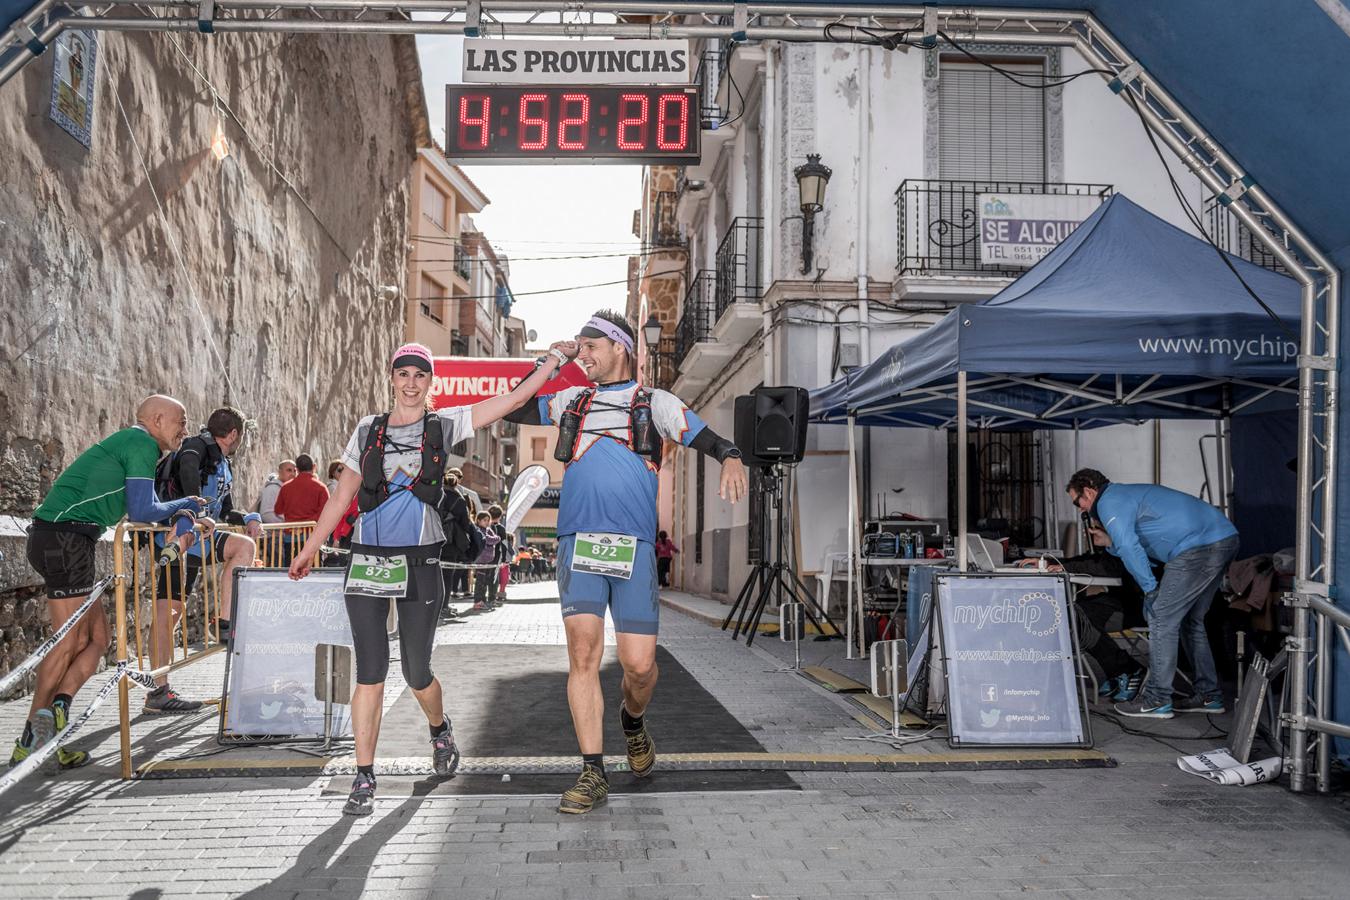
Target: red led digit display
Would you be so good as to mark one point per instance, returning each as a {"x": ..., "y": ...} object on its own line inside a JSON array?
[
  {"x": 574, "y": 118},
  {"x": 473, "y": 121},
  {"x": 604, "y": 123}
]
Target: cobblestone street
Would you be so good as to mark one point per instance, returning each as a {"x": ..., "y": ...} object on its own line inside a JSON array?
[{"x": 1142, "y": 829}]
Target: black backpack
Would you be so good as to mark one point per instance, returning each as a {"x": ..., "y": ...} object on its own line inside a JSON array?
[
  {"x": 455, "y": 535},
  {"x": 166, "y": 472},
  {"x": 427, "y": 487}
]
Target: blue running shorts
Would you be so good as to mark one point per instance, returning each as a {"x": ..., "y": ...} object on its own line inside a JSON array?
[{"x": 632, "y": 601}]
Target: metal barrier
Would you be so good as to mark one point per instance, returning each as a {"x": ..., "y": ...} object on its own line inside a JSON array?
[{"x": 138, "y": 579}]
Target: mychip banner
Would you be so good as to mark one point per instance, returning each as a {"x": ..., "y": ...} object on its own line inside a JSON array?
[
  {"x": 1009, "y": 647},
  {"x": 1020, "y": 229},
  {"x": 281, "y": 632},
  {"x": 464, "y": 380}
]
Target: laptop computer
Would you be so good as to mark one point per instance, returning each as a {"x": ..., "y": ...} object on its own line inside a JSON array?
[{"x": 983, "y": 555}]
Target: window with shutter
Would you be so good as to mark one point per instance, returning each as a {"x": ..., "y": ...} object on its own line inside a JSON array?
[
  {"x": 434, "y": 204},
  {"x": 989, "y": 127}
]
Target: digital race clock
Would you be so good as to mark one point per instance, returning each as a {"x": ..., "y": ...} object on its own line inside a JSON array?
[{"x": 558, "y": 123}]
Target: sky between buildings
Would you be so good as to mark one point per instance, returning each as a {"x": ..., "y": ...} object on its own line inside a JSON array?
[{"x": 547, "y": 211}]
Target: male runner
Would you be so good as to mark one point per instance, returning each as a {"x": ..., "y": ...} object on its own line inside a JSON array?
[
  {"x": 607, "y": 531},
  {"x": 112, "y": 479},
  {"x": 201, "y": 467}
]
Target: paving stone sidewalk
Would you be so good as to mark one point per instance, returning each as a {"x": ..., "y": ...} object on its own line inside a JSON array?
[{"x": 1142, "y": 830}]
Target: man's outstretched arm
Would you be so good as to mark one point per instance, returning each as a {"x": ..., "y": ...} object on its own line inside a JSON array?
[{"x": 734, "y": 484}]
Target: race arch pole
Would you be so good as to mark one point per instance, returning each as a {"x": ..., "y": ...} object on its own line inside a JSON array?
[
  {"x": 962, "y": 475},
  {"x": 854, "y": 562}
]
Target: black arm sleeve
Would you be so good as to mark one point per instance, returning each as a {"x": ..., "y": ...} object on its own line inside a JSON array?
[
  {"x": 707, "y": 441},
  {"x": 527, "y": 414},
  {"x": 228, "y": 514},
  {"x": 1101, "y": 564},
  {"x": 190, "y": 472}
]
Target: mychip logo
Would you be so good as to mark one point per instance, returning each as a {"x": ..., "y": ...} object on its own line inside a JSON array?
[{"x": 1036, "y": 611}]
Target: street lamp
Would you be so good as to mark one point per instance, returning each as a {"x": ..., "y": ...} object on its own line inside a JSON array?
[
  {"x": 651, "y": 330},
  {"x": 651, "y": 333},
  {"x": 811, "y": 180}
]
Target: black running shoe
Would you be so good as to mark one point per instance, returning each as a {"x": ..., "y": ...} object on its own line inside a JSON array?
[
  {"x": 590, "y": 791},
  {"x": 444, "y": 753},
  {"x": 361, "y": 801},
  {"x": 166, "y": 700}
]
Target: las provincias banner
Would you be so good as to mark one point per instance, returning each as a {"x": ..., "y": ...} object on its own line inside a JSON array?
[{"x": 463, "y": 380}]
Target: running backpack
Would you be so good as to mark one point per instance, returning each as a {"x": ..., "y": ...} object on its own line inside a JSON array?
[
  {"x": 166, "y": 472},
  {"x": 374, "y": 488}
]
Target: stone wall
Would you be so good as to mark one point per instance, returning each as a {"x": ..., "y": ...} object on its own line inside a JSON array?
[{"x": 145, "y": 264}]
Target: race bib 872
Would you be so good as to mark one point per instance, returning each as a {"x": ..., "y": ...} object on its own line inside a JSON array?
[{"x": 604, "y": 554}]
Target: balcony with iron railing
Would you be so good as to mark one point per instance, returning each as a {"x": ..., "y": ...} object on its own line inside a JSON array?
[
  {"x": 663, "y": 363},
  {"x": 1231, "y": 235},
  {"x": 461, "y": 263},
  {"x": 696, "y": 317},
  {"x": 938, "y": 224},
  {"x": 699, "y": 354},
  {"x": 665, "y": 231},
  {"x": 708, "y": 77},
  {"x": 739, "y": 274}
]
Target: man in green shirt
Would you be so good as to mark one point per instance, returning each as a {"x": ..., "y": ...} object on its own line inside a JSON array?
[{"x": 112, "y": 479}]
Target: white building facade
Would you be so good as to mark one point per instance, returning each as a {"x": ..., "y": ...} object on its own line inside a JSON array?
[{"x": 911, "y": 138}]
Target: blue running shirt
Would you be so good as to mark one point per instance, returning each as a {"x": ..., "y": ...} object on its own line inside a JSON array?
[
  {"x": 402, "y": 520},
  {"x": 607, "y": 487}
]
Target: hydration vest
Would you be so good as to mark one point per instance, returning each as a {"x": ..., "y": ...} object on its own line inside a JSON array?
[
  {"x": 426, "y": 487},
  {"x": 647, "y": 444}
]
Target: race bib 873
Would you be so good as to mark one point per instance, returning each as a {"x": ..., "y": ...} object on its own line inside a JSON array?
[{"x": 378, "y": 576}]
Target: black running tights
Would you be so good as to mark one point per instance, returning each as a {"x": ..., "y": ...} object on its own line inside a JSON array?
[{"x": 418, "y": 613}]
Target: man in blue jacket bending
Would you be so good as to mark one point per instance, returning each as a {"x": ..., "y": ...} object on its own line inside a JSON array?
[{"x": 1195, "y": 544}]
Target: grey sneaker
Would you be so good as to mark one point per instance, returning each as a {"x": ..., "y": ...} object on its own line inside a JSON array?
[
  {"x": 444, "y": 753},
  {"x": 166, "y": 700},
  {"x": 1201, "y": 705},
  {"x": 361, "y": 801},
  {"x": 1145, "y": 709}
]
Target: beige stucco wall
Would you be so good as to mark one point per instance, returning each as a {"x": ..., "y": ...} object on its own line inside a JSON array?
[{"x": 277, "y": 305}]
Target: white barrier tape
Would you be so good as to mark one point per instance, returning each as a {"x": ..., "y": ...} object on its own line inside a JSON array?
[
  {"x": 12, "y": 678},
  {"x": 338, "y": 551},
  {"x": 43, "y": 753}
]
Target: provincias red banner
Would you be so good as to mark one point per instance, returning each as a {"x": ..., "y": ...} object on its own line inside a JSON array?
[{"x": 464, "y": 380}]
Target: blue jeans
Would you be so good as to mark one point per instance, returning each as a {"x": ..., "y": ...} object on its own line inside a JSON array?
[{"x": 1176, "y": 614}]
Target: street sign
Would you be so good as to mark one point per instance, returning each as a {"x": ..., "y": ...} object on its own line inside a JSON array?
[
  {"x": 571, "y": 123},
  {"x": 495, "y": 61}
]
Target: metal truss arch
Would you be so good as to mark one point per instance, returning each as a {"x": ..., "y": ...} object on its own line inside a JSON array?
[{"x": 1310, "y": 647}]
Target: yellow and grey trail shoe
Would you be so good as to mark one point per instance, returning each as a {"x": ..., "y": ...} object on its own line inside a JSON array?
[
  {"x": 67, "y": 759},
  {"x": 641, "y": 748},
  {"x": 590, "y": 791},
  {"x": 44, "y": 729},
  {"x": 21, "y": 751}
]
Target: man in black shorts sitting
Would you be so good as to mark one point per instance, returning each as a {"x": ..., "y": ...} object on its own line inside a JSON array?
[{"x": 201, "y": 467}]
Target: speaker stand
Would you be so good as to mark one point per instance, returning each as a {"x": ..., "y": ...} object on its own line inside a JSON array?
[{"x": 774, "y": 577}]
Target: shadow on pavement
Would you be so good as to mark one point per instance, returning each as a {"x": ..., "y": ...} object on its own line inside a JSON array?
[{"x": 342, "y": 875}]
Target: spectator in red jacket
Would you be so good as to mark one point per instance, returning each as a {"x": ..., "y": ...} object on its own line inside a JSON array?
[{"x": 303, "y": 497}]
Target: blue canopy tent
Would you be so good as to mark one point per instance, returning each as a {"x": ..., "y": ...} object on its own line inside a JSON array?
[{"x": 1129, "y": 318}]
